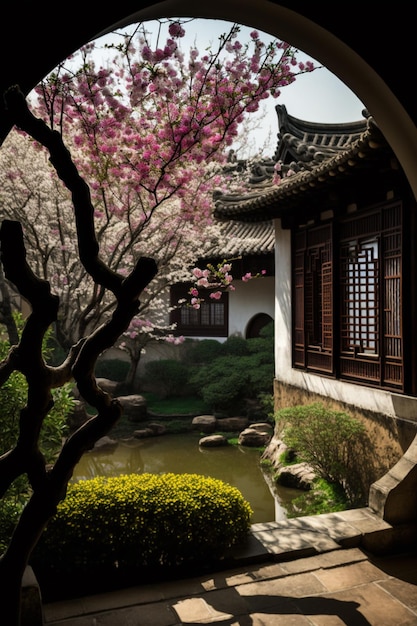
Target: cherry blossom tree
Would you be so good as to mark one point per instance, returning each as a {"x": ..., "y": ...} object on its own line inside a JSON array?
[
  {"x": 150, "y": 131},
  {"x": 149, "y": 136}
]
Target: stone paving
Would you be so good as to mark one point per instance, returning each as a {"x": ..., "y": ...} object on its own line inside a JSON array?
[{"x": 305, "y": 571}]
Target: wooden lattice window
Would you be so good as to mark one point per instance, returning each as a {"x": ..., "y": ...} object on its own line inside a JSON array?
[
  {"x": 210, "y": 320},
  {"x": 313, "y": 311},
  {"x": 363, "y": 310},
  {"x": 360, "y": 307},
  {"x": 371, "y": 348}
]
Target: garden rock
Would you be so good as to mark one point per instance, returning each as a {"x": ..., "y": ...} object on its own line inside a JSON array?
[
  {"x": 232, "y": 424},
  {"x": 109, "y": 386},
  {"x": 157, "y": 429},
  {"x": 297, "y": 476},
  {"x": 212, "y": 441},
  {"x": 262, "y": 427},
  {"x": 152, "y": 430},
  {"x": 205, "y": 423},
  {"x": 274, "y": 451},
  {"x": 105, "y": 444},
  {"x": 134, "y": 407},
  {"x": 143, "y": 433},
  {"x": 251, "y": 437}
]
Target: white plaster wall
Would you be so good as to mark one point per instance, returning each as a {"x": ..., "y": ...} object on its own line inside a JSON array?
[
  {"x": 379, "y": 401},
  {"x": 249, "y": 299}
]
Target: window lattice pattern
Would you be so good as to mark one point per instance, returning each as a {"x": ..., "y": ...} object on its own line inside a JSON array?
[{"x": 364, "y": 309}]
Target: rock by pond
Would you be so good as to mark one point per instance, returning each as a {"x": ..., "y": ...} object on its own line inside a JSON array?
[{"x": 213, "y": 441}]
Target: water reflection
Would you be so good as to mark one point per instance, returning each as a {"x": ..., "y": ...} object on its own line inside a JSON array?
[{"x": 236, "y": 465}]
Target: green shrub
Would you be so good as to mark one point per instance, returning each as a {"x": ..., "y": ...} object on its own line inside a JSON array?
[
  {"x": 167, "y": 378},
  {"x": 223, "y": 384},
  {"x": 10, "y": 511},
  {"x": 142, "y": 521},
  {"x": 244, "y": 371},
  {"x": 235, "y": 346},
  {"x": 13, "y": 397},
  {"x": 204, "y": 351},
  {"x": 113, "y": 369},
  {"x": 332, "y": 442}
]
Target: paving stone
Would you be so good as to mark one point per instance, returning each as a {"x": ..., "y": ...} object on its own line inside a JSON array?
[
  {"x": 289, "y": 586},
  {"x": 199, "y": 610},
  {"x": 260, "y": 619},
  {"x": 404, "y": 591},
  {"x": 328, "y": 559},
  {"x": 349, "y": 575},
  {"x": 333, "y": 586},
  {"x": 237, "y": 577},
  {"x": 363, "y": 605},
  {"x": 305, "y": 543}
]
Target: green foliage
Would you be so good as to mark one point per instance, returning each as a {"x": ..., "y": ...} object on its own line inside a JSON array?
[
  {"x": 235, "y": 346},
  {"x": 288, "y": 457},
  {"x": 243, "y": 370},
  {"x": 324, "y": 497},
  {"x": 184, "y": 405},
  {"x": 223, "y": 384},
  {"x": 167, "y": 378},
  {"x": 113, "y": 369},
  {"x": 204, "y": 351},
  {"x": 142, "y": 521},
  {"x": 9, "y": 515},
  {"x": 13, "y": 398},
  {"x": 266, "y": 401},
  {"x": 332, "y": 442}
]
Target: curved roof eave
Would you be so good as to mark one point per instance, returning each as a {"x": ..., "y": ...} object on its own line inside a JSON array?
[{"x": 271, "y": 201}]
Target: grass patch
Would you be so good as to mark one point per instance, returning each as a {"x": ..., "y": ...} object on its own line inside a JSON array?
[{"x": 323, "y": 498}]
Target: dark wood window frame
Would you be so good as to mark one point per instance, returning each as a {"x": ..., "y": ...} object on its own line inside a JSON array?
[
  {"x": 210, "y": 320},
  {"x": 351, "y": 329}
]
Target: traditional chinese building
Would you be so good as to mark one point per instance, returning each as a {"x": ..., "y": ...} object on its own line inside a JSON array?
[{"x": 345, "y": 312}]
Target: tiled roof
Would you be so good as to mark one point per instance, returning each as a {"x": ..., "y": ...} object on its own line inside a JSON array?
[
  {"x": 317, "y": 154},
  {"x": 302, "y": 144},
  {"x": 243, "y": 238}
]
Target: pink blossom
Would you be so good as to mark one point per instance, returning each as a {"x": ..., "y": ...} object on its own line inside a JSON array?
[
  {"x": 176, "y": 30},
  {"x": 176, "y": 341},
  {"x": 147, "y": 137}
]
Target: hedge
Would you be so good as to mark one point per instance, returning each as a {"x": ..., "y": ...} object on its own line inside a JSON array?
[{"x": 137, "y": 522}]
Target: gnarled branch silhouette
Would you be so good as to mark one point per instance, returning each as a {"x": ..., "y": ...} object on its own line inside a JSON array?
[{"x": 49, "y": 483}]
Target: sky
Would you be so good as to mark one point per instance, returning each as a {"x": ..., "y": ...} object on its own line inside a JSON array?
[{"x": 318, "y": 96}]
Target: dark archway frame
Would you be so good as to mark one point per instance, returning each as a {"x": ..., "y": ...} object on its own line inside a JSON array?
[{"x": 364, "y": 49}]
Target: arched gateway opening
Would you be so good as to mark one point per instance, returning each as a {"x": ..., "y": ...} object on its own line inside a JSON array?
[{"x": 394, "y": 497}]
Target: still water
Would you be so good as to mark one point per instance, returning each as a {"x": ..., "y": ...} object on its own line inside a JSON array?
[{"x": 237, "y": 465}]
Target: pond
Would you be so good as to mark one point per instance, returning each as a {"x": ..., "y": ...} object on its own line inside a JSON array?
[{"x": 180, "y": 453}]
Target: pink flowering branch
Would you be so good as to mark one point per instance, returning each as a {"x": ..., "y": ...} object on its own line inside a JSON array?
[{"x": 215, "y": 277}]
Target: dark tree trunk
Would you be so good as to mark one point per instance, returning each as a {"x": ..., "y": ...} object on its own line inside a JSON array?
[
  {"x": 49, "y": 484},
  {"x": 6, "y": 311}
]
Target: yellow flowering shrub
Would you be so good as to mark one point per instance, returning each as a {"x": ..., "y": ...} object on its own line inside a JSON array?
[{"x": 137, "y": 521}]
